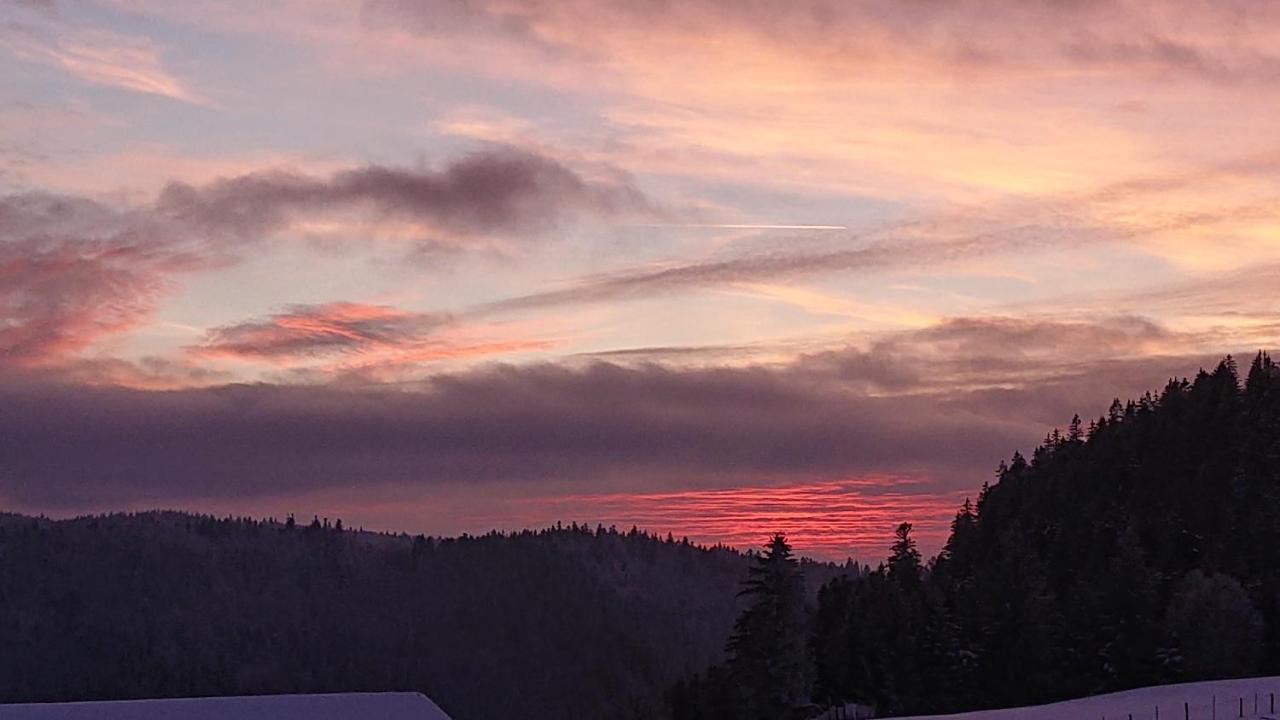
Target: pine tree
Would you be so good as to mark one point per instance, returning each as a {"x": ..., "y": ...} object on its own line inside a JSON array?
[
  {"x": 1116, "y": 412},
  {"x": 1075, "y": 433},
  {"x": 767, "y": 653},
  {"x": 904, "y": 560}
]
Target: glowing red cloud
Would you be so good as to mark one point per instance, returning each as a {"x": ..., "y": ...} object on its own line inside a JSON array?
[{"x": 830, "y": 519}]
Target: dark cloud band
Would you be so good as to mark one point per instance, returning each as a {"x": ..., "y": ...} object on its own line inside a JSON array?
[{"x": 894, "y": 409}]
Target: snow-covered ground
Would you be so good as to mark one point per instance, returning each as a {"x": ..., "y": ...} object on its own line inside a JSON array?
[
  {"x": 345, "y": 706},
  {"x": 1212, "y": 700}
]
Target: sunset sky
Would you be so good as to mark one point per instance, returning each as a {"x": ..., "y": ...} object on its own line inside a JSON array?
[{"x": 714, "y": 267}]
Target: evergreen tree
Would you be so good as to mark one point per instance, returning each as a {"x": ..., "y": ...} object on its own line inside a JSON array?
[
  {"x": 767, "y": 651},
  {"x": 904, "y": 560}
]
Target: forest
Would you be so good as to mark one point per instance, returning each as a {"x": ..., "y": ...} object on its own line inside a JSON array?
[
  {"x": 565, "y": 622},
  {"x": 1135, "y": 549},
  {"x": 561, "y": 623}
]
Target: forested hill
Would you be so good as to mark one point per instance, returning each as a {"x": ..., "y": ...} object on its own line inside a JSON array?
[
  {"x": 566, "y": 623},
  {"x": 1137, "y": 548}
]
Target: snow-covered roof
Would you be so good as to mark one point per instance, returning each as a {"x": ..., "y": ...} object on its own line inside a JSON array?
[{"x": 344, "y": 706}]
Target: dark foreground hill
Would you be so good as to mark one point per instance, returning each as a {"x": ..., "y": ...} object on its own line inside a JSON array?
[
  {"x": 1141, "y": 547},
  {"x": 569, "y": 623}
]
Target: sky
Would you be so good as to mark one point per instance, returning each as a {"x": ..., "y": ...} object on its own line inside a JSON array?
[{"x": 715, "y": 267}]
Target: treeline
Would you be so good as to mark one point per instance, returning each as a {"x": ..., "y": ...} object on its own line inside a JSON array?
[
  {"x": 561, "y": 623},
  {"x": 1139, "y": 548}
]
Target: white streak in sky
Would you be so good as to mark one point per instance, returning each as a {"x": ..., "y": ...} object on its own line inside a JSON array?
[{"x": 734, "y": 226}]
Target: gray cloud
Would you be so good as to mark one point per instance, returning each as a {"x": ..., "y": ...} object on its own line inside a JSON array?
[
  {"x": 945, "y": 404},
  {"x": 1025, "y": 369},
  {"x": 984, "y": 339},
  {"x": 503, "y": 191},
  {"x": 67, "y": 447}
]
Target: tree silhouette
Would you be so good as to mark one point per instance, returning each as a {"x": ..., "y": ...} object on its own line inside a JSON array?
[
  {"x": 904, "y": 558},
  {"x": 767, "y": 651},
  {"x": 1139, "y": 551}
]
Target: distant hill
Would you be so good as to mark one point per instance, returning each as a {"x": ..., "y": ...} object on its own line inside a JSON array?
[{"x": 561, "y": 623}]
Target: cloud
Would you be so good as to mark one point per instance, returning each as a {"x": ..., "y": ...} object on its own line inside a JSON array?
[
  {"x": 61, "y": 296},
  {"x": 504, "y": 190},
  {"x": 1033, "y": 370},
  {"x": 76, "y": 270},
  {"x": 958, "y": 354},
  {"x": 306, "y": 331},
  {"x": 533, "y": 425},
  {"x": 941, "y": 405},
  {"x": 97, "y": 56},
  {"x": 911, "y": 102},
  {"x": 899, "y": 246},
  {"x": 356, "y": 344},
  {"x": 1155, "y": 213},
  {"x": 767, "y": 266},
  {"x": 835, "y": 446},
  {"x": 1025, "y": 369},
  {"x": 983, "y": 340},
  {"x": 149, "y": 372},
  {"x": 73, "y": 271},
  {"x": 829, "y": 519},
  {"x": 1246, "y": 291},
  {"x": 1217, "y": 41},
  {"x": 1171, "y": 58}
]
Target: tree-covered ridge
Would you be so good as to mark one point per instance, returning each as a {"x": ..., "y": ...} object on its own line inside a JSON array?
[
  {"x": 1138, "y": 548},
  {"x": 559, "y": 623}
]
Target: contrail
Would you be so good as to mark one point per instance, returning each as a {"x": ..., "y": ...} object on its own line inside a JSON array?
[{"x": 736, "y": 226}]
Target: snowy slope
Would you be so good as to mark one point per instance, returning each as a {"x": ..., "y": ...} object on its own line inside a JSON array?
[
  {"x": 1143, "y": 703},
  {"x": 346, "y": 706}
]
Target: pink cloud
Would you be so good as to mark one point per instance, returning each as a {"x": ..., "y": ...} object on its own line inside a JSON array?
[
  {"x": 304, "y": 331},
  {"x": 73, "y": 271},
  {"x": 345, "y": 342},
  {"x": 100, "y": 57},
  {"x": 77, "y": 271}
]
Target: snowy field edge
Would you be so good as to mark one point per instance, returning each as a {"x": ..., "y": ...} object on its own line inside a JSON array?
[{"x": 1206, "y": 700}]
